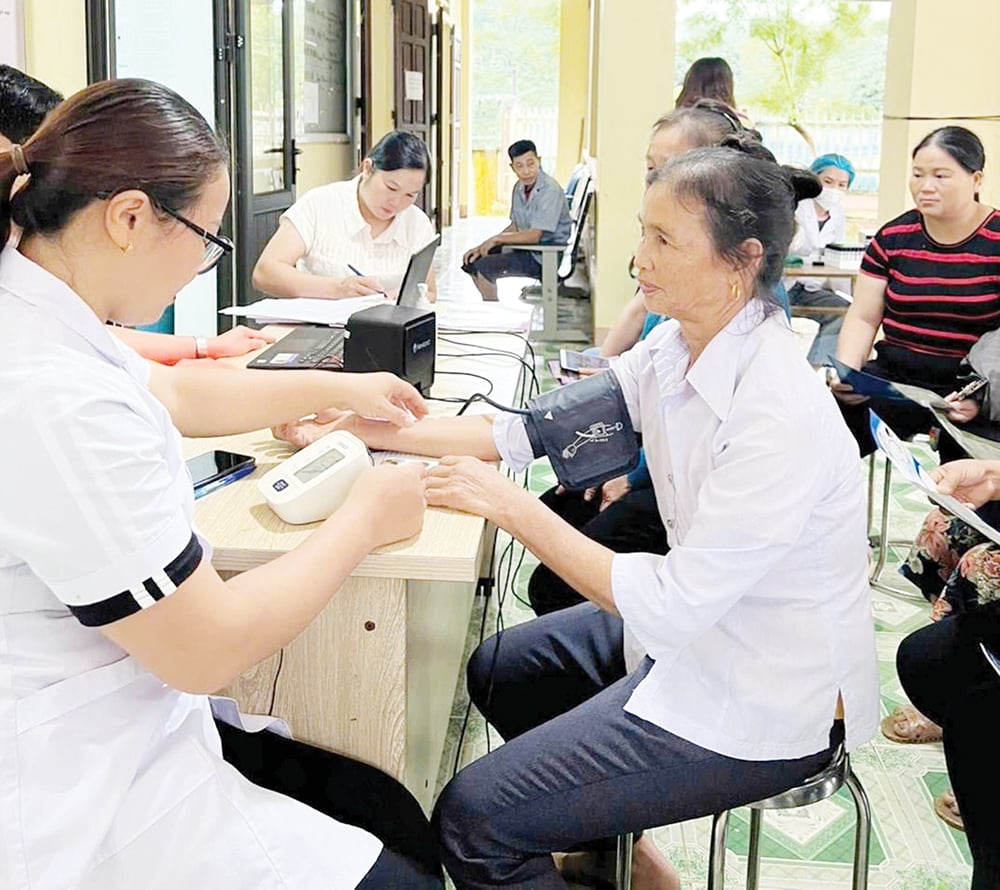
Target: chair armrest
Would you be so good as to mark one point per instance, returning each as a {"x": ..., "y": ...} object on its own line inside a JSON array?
[{"x": 537, "y": 248}]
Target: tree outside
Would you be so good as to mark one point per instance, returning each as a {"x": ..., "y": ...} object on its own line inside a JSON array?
[
  {"x": 515, "y": 90},
  {"x": 810, "y": 73}
]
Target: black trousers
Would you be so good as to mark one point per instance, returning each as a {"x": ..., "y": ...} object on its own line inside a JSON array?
[
  {"x": 630, "y": 525},
  {"x": 904, "y": 418},
  {"x": 350, "y": 792},
  {"x": 576, "y": 767},
  {"x": 946, "y": 676}
]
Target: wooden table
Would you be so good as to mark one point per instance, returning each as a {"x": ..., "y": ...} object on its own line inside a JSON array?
[{"x": 373, "y": 676}]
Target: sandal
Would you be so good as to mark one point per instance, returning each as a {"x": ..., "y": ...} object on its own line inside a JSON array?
[
  {"x": 946, "y": 807},
  {"x": 908, "y": 726}
]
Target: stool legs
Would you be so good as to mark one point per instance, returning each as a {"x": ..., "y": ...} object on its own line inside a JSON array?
[
  {"x": 717, "y": 852},
  {"x": 862, "y": 830},
  {"x": 753, "y": 850},
  {"x": 623, "y": 865}
]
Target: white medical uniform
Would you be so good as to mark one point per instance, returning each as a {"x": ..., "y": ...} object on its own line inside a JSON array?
[
  {"x": 329, "y": 221},
  {"x": 110, "y": 779},
  {"x": 810, "y": 238},
  {"x": 760, "y": 614}
]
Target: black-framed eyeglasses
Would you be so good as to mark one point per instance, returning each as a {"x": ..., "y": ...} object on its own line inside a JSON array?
[{"x": 216, "y": 246}]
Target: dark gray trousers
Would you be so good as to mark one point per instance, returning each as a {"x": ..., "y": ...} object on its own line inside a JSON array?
[{"x": 576, "y": 767}]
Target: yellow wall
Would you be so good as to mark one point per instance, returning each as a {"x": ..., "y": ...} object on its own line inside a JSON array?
[
  {"x": 382, "y": 53},
  {"x": 323, "y": 162},
  {"x": 574, "y": 37},
  {"x": 633, "y": 79},
  {"x": 55, "y": 38},
  {"x": 934, "y": 70}
]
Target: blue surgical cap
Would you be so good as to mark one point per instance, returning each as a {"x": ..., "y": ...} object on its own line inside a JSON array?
[{"x": 832, "y": 160}]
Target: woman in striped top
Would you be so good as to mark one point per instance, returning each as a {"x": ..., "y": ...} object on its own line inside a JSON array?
[{"x": 932, "y": 282}]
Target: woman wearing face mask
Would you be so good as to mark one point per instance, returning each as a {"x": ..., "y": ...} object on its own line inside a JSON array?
[
  {"x": 353, "y": 238},
  {"x": 930, "y": 281},
  {"x": 821, "y": 221}
]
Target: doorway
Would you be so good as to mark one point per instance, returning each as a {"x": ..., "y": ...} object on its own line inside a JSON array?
[{"x": 413, "y": 86}]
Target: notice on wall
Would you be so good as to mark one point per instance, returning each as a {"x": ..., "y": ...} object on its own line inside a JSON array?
[
  {"x": 414, "y": 86},
  {"x": 11, "y": 33},
  {"x": 310, "y": 102}
]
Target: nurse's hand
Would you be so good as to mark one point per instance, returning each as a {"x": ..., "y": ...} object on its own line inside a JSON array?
[
  {"x": 468, "y": 484},
  {"x": 382, "y": 396},
  {"x": 356, "y": 286},
  {"x": 394, "y": 499}
]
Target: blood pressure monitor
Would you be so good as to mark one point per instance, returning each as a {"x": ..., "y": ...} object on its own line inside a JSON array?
[{"x": 313, "y": 483}]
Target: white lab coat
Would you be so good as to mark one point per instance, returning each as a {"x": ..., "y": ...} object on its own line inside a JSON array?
[
  {"x": 110, "y": 779},
  {"x": 810, "y": 239}
]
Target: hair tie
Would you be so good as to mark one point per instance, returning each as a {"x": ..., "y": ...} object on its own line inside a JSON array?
[{"x": 17, "y": 156}]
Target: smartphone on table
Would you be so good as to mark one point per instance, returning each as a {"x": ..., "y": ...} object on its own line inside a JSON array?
[
  {"x": 575, "y": 361},
  {"x": 213, "y": 469}
]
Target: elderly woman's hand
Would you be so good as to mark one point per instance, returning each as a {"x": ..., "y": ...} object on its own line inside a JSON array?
[
  {"x": 300, "y": 433},
  {"x": 470, "y": 485}
]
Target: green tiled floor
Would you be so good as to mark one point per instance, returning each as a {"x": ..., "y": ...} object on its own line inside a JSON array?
[{"x": 810, "y": 848}]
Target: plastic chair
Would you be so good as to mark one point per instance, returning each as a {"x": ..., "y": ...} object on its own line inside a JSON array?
[{"x": 819, "y": 787}]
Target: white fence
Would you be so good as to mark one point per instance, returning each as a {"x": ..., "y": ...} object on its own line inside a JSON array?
[{"x": 860, "y": 141}]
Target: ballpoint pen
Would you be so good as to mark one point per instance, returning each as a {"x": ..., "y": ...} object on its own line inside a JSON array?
[
  {"x": 238, "y": 473},
  {"x": 355, "y": 271}
]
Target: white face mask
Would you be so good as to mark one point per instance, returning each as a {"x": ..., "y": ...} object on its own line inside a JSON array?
[{"x": 829, "y": 198}]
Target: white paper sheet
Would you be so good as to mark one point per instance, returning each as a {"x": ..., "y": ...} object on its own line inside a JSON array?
[{"x": 304, "y": 310}]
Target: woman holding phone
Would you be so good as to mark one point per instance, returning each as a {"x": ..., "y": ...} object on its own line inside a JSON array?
[{"x": 114, "y": 626}]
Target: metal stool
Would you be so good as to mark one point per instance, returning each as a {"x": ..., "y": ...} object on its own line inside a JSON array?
[
  {"x": 875, "y": 575},
  {"x": 817, "y": 788}
]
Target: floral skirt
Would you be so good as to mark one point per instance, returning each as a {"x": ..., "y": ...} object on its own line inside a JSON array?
[{"x": 952, "y": 564}]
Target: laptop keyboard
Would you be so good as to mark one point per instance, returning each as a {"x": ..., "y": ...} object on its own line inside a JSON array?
[{"x": 325, "y": 351}]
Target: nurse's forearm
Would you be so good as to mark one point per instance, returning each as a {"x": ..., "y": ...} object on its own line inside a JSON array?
[
  {"x": 215, "y": 400},
  {"x": 208, "y": 632},
  {"x": 282, "y": 280}
]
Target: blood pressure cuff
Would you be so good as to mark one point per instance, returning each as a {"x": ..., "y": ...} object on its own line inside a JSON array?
[{"x": 585, "y": 431}]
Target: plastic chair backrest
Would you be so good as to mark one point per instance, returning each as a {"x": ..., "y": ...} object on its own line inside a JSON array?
[{"x": 576, "y": 233}]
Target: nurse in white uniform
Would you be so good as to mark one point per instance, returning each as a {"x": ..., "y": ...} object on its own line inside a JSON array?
[
  {"x": 113, "y": 623},
  {"x": 726, "y": 671},
  {"x": 353, "y": 238}
]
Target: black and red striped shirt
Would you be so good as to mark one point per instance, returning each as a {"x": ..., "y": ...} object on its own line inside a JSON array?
[{"x": 940, "y": 299}]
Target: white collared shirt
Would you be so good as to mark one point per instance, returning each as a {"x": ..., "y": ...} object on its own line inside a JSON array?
[
  {"x": 810, "y": 239},
  {"x": 760, "y": 613},
  {"x": 109, "y": 778},
  {"x": 335, "y": 233}
]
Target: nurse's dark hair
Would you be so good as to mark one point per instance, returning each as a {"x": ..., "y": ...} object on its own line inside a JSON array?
[
  {"x": 399, "y": 150},
  {"x": 24, "y": 102},
  {"x": 745, "y": 195},
  {"x": 110, "y": 137}
]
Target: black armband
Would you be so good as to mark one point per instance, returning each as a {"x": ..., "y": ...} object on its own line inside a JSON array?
[{"x": 585, "y": 430}]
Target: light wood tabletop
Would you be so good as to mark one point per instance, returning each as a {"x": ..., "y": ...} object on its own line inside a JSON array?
[{"x": 374, "y": 674}]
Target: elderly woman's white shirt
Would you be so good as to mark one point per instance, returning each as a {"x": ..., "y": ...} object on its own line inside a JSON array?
[
  {"x": 329, "y": 221},
  {"x": 109, "y": 778},
  {"x": 760, "y": 613}
]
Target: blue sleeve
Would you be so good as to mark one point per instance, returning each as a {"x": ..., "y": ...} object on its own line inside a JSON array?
[
  {"x": 639, "y": 477},
  {"x": 652, "y": 320},
  {"x": 782, "y": 297}
]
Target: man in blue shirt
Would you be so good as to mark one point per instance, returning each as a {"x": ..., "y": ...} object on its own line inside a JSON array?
[{"x": 538, "y": 215}]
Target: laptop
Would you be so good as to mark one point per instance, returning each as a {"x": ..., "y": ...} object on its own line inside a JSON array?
[{"x": 322, "y": 348}]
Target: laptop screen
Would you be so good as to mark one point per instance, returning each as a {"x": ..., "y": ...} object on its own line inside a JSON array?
[{"x": 417, "y": 271}]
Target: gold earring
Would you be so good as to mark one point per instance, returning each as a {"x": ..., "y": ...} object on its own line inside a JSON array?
[
  {"x": 735, "y": 291},
  {"x": 126, "y": 248}
]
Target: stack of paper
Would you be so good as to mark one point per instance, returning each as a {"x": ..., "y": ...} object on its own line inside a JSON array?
[
  {"x": 303, "y": 310},
  {"x": 483, "y": 316}
]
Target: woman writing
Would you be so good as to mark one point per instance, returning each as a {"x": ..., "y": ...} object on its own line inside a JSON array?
[
  {"x": 114, "y": 623},
  {"x": 353, "y": 238},
  {"x": 749, "y": 640},
  {"x": 932, "y": 282}
]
